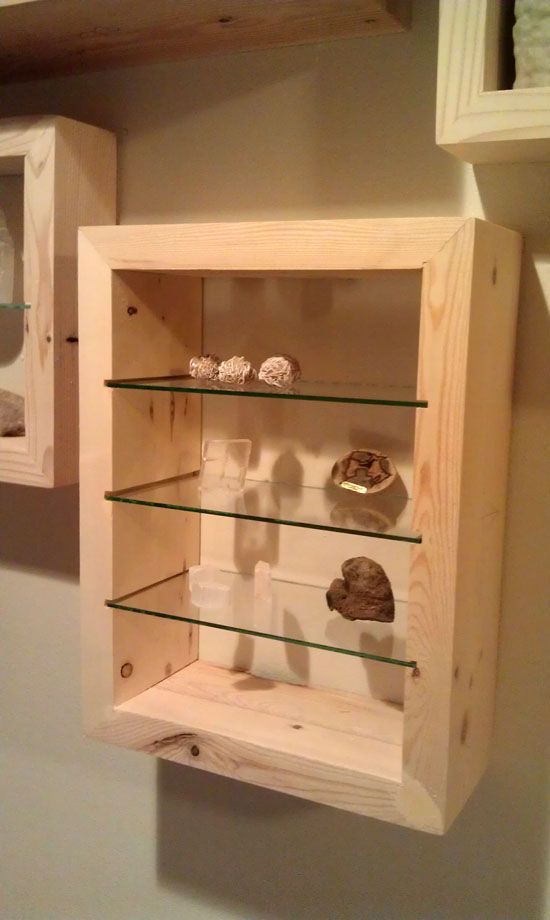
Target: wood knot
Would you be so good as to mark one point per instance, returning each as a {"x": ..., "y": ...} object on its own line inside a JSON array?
[
  {"x": 131, "y": 311},
  {"x": 127, "y": 669},
  {"x": 195, "y": 751},
  {"x": 171, "y": 741}
]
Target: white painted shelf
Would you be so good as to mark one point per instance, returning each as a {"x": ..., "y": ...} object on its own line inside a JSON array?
[{"x": 477, "y": 119}]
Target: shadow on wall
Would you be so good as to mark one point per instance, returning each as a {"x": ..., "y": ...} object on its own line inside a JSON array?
[
  {"x": 366, "y": 161},
  {"x": 264, "y": 854},
  {"x": 267, "y": 855},
  {"x": 522, "y": 734},
  {"x": 289, "y": 132},
  {"x": 39, "y": 529}
]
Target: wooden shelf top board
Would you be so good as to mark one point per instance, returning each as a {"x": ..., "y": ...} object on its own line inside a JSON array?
[{"x": 49, "y": 37}]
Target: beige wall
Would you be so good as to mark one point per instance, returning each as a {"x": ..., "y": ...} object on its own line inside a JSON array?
[{"x": 93, "y": 833}]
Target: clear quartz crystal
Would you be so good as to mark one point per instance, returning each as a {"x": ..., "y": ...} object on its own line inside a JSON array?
[
  {"x": 270, "y": 662},
  {"x": 263, "y": 594},
  {"x": 224, "y": 465},
  {"x": 7, "y": 260}
]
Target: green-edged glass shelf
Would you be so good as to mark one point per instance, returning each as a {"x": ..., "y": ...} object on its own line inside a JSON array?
[
  {"x": 314, "y": 391},
  {"x": 299, "y": 616},
  {"x": 330, "y": 509},
  {"x": 15, "y": 306}
]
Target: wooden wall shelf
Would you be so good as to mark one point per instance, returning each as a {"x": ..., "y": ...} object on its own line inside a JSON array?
[
  {"x": 45, "y": 37},
  {"x": 68, "y": 172},
  {"x": 149, "y": 684},
  {"x": 478, "y": 120}
]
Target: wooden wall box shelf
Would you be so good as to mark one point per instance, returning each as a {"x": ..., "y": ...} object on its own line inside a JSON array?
[
  {"x": 146, "y": 686},
  {"x": 69, "y": 177},
  {"x": 477, "y": 120},
  {"x": 45, "y": 37}
]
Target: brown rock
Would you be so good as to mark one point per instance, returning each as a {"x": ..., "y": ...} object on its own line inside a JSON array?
[{"x": 364, "y": 593}]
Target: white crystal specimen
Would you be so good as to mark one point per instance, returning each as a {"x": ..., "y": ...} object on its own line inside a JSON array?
[
  {"x": 204, "y": 367},
  {"x": 224, "y": 465},
  {"x": 209, "y": 589},
  {"x": 532, "y": 43},
  {"x": 280, "y": 371},
  {"x": 263, "y": 592},
  {"x": 7, "y": 263},
  {"x": 199, "y": 573},
  {"x": 236, "y": 370}
]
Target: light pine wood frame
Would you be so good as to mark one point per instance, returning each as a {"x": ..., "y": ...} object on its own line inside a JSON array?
[
  {"x": 69, "y": 178},
  {"x": 476, "y": 120},
  {"x": 68, "y": 36},
  {"x": 414, "y": 767}
]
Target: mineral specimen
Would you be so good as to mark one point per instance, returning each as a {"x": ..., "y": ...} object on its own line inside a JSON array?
[
  {"x": 364, "y": 471},
  {"x": 263, "y": 591},
  {"x": 236, "y": 370},
  {"x": 204, "y": 367},
  {"x": 224, "y": 465},
  {"x": 280, "y": 371},
  {"x": 531, "y": 34},
  {"x": 209, "y": 587},
  {"x": 364, "y": 593},
  {"x": 12, "y": 415}
]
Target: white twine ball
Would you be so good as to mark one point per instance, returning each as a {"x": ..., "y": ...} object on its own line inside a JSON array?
[{"x": 280, "y": 371}]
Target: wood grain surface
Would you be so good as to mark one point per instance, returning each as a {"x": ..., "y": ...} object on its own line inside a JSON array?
[
  {"x": 70, "y": 36},
  {"x": 69, "y": 179}
]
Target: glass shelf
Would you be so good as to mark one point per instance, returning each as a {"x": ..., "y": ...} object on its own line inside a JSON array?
[
  {"x": 15, "y": 306},
  {"x": 320, "y": 391},
  {"x": 300, "y": 616},
  {"x": 330, "y": 509}
]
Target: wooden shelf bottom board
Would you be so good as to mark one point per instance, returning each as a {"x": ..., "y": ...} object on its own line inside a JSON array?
[{"x": 233, "y": 723}]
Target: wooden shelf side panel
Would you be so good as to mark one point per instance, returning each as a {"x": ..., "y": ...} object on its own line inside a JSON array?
[
  {"x": 85, "y": 192},
  {"x": 483, "y": 491},
  {"x": 465, "y": 365},
  {"x": 122, "y": 319}
]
